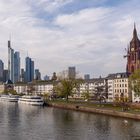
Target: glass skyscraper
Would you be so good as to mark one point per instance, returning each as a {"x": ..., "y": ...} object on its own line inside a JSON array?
[
  {"x": 29, "y": 66},
  {"x": 10, "y": 62},
  {"x": 16, "y": 67},
  {"x": 13, "y": 64}
]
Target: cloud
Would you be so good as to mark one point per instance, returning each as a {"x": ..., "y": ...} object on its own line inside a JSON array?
[
  {"x": 49, "y": 5},
  {"x": 91, "y": 38}
]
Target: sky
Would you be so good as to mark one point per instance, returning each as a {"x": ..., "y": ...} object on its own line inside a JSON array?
[{"x": 89, "y": 34}]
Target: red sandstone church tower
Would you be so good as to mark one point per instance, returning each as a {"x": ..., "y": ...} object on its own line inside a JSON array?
[{"x": 133, "y": 53}]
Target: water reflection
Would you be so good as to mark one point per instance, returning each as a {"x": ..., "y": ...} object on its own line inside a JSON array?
[{"x": 20, "y": 122}]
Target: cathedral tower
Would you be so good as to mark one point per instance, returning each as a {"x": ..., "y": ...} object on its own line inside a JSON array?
[{"x": 133, "y": 53}]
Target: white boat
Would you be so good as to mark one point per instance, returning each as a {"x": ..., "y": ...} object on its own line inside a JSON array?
[
  {"x": 31, "y": 100},
  {"x": 9, "y": 98}
]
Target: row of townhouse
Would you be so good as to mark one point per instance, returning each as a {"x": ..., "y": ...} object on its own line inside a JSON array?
[
  {"x": 92, "y": 86},
  {"x": 39, "y": 88},
  {"x": 109, "y": 87}
]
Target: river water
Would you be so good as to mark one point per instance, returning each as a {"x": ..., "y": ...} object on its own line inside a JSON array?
[{"x": 23, "y": 122}]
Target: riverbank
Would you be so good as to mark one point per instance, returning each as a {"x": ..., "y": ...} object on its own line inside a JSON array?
[{"x": 94, "y": 108}]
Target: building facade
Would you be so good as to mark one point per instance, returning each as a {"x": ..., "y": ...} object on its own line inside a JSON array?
[
  {"x": 118, "y": 86},
  {"x": 38, "y": 88}
]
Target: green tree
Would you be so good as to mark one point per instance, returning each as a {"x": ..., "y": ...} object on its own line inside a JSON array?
[
  {"x": 134, "y": 84},
  {"x": 67, "y": 86},
  {"x": 86, "y": 95}
]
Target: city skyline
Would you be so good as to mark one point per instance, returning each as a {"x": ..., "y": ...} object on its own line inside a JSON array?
[{"x": 57, "y": 33}]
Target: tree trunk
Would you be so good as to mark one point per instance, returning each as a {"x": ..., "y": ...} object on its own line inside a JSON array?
[{"x": 67, "y": 98}]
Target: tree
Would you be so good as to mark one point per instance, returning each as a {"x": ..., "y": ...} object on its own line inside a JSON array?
[
  {"x": 86, "y": 95},
  {"x": 134, "y": 83},
  {"x": 67, "y": 86}
]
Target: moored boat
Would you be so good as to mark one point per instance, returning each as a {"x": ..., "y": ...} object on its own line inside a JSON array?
[
  {"x": 31, "y": 100},
  {"x": 9, "y": 98}
]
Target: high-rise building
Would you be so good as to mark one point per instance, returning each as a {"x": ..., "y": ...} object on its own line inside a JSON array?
[
  {"x": 10, "y": 62},
  {"x": 16, "y": 67},
  {"x": 1, "y": 70},
  {"x": 37, "y": 74},
  {"x": 46, "y": 77},
  {"x": 72, "y": 72},
  {"x": 86, "y": 76},
  {"x": 29, "y": 66},
  {"x": 5, "y": 75},
  {"x": 133, "y": 53},
  {"x": 13, "y": 64}
]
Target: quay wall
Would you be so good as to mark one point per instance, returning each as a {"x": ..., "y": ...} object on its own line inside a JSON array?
[{"x": 109, "y": 112}]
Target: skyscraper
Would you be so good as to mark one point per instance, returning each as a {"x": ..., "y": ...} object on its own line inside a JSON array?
[
  {"x": 29, "y": 66},
  {"x": 1, "y": 70},
  {"x": 86, "y": 76},
  {"x": 16, "y": 67},
  {"x": 10, "y": 62},
  {"x": 13, "y": 64},
  {"x": 133, "y": 53},
  {"x": 5, "y": 75},
  {"x": 72, "y": 72},
  {"x": 37, "y": 74}
]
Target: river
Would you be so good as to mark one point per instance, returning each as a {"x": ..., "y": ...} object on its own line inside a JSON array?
[{"x": 23, "y": 122}]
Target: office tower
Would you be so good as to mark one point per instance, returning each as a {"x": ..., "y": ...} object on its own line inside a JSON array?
[
  {"x": 86, "y": 76},
  {"x": 16, "y": 67},
  {"x": 29, "y": 66},
  {"x": 54, "y": 77},
  {"x": 1, "y": 70},
  {"x": 71, "y": 72},
  {"x": 37, "y": 74},
  {"x": 10, "y": 62},
  {"x": 46, "y": 77},
  {"x": 32, "y": 70},
  {"x": 5, "y": 75},
  {"x": 13, "y": 64}
]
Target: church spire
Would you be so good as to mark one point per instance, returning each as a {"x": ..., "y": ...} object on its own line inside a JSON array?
[{"x": 135, "y": 32}]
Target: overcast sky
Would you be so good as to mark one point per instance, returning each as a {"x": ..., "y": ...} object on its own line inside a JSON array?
[{"x": 89, "y": 34}]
